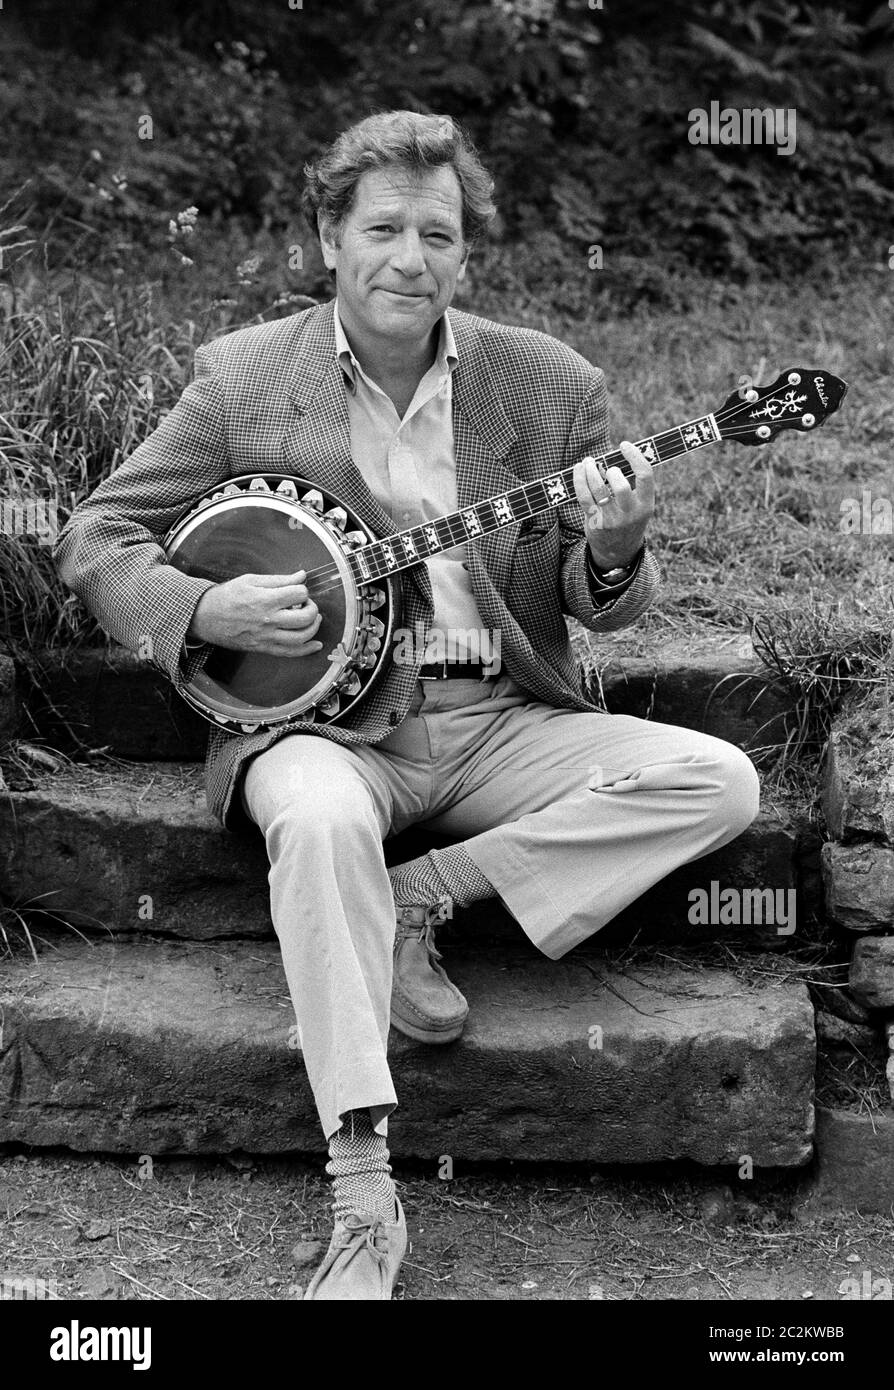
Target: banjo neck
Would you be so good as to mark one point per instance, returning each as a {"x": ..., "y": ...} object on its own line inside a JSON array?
[
  {"x": 404, "y": 549},
  {"x": 801, "y": 398}
]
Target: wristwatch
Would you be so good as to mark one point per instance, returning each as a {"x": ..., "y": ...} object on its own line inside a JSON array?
[{"x": 614, "y": 578}]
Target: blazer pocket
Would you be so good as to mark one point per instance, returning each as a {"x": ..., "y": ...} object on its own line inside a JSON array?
[
  {"x": 536, "y": 555},
  {"x": 534, "y": 527}
]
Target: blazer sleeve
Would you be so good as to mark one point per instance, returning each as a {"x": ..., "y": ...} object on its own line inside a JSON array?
[
  {"x": 109, "y": 551},
  {"x": 589, "y": 435}
]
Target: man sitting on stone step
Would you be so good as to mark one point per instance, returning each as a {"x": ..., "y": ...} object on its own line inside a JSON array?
[{"x": 406, "y": 412}]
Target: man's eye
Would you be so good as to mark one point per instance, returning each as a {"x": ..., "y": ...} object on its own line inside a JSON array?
[{"x": 382, "y": 227}]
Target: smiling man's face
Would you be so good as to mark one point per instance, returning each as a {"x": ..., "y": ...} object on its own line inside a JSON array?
[{"x": 400, "y": 255}]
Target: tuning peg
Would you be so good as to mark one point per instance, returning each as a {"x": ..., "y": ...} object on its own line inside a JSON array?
[
  {"x": 763, "y": 432},
  {"x": 807, "y": 421}
]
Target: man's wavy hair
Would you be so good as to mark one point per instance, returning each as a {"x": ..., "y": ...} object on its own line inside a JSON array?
[{"x": 405, "y": 138}]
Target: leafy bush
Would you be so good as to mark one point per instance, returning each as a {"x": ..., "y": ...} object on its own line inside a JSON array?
[{"x": 583, "y": 114}]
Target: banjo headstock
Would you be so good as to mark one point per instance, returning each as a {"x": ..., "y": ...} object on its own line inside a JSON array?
[{"x": 800, "y": 398}]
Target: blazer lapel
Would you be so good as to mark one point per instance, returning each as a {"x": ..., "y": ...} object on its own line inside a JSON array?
[
  {"x": 318, "y": 441},
  {"x": 317, "y": 444}
]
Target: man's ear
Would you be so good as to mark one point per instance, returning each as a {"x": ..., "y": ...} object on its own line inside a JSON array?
[
  {"x": 327, "y": 241},
  {"x": 461, "y": 273}
]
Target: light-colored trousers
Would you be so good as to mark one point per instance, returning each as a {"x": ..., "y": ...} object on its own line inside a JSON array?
[{"x": 570, "y": 815}]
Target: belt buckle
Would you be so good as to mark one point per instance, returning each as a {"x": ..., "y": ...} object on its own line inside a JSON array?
[{"x": 442, "y": 676}]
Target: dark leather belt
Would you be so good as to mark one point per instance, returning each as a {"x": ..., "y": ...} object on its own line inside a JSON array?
[{"x": 456, "y": 671}]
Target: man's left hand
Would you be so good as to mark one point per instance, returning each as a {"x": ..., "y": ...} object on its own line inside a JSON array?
[{"x": 615, "y": 529}]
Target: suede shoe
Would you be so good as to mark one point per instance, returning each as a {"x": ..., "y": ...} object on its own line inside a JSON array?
[
  {"x": 425, "y": 1005},
  {"x": 363, "y": 1259}
]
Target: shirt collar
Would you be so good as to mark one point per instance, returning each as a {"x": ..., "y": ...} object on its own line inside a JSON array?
[{"x": 445, "y": 361}]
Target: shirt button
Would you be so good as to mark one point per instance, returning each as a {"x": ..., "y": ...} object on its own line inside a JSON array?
[{"x": 394, "y": 717}]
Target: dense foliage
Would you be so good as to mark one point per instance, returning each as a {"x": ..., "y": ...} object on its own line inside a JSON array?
[{"x": 582, "y": 112}]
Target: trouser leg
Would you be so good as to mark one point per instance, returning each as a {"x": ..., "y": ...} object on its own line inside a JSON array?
[
  {"x": 572, "y": 816},
  {"x": 324, "y": 812}
]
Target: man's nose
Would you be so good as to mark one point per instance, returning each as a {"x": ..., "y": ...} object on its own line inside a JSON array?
[{"x": 409, "y": 255}]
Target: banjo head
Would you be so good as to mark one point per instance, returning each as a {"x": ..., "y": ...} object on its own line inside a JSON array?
[{"x": 277, "y": 524}]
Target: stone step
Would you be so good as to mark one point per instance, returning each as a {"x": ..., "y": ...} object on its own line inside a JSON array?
[
  {"x": 115, "y": 701},
  {"x": 716, "y": 692},
  {"x": 133, "y": 848},
  {"x": 858, "y": 781},
  {"x": 165, "y": 1047},
  {"x": 855, "y": 1165},
  {"x": 859, "y": 884},
  {"x": 112, "y": 700},
  {"x": 858, "y": 804}
]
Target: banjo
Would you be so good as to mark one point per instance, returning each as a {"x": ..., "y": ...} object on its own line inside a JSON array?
[{"x": 277, "y": 523}]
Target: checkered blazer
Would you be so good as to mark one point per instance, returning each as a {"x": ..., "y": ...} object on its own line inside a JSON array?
[{"x": 272, "y": 398}]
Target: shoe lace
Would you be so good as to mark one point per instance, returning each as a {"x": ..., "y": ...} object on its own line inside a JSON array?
[
  {"x": 374, "y": 1227},
  {"x": 433, "y": 915}
]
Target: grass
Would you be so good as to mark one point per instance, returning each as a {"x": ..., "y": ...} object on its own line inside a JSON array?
[
  {"x": 74, "y": 383},
  {"x": 744, "y": 531},
  {"x": 823, "y": 661},
  {"x": 20, "y": 923}
]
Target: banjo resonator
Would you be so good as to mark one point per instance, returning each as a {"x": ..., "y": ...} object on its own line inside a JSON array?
[{"x": 274, "y": 523}]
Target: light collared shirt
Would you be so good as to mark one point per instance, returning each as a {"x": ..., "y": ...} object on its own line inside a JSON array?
[{"x": 409, "y": 466}]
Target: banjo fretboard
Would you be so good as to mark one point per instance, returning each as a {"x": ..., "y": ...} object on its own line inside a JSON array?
[{"x": 406, "y": 548}]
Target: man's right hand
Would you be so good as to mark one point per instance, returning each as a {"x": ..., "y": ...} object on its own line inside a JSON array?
[{"x": 269, "y": 613}]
